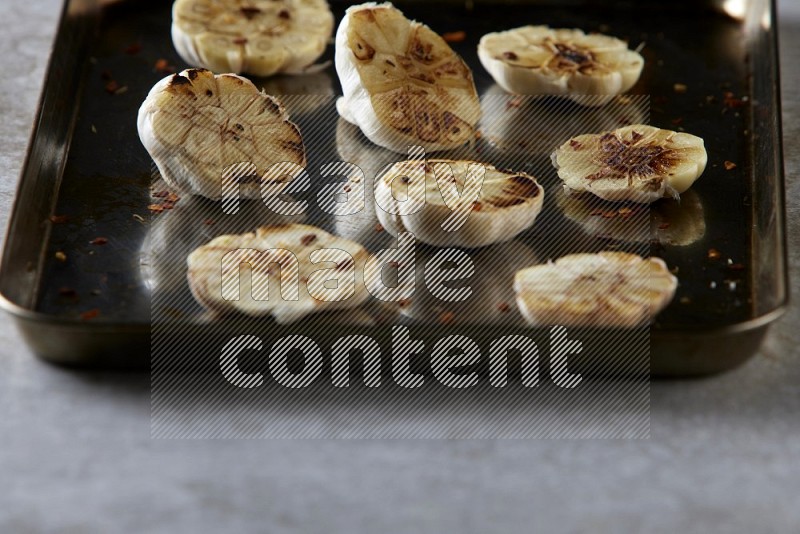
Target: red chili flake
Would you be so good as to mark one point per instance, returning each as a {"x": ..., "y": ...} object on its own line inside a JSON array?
[
  {"x": 98, "y": 241},
  {"x": 378, "y": 227},
  {"x": 736, "y": 267},
  {"x": 172, "y": 197},
  {"x": 160, "y": 194},
  {"x": 729, "y": 165},
  {"x": 404, "y": 303},
  {"x": 713, "y": 254},
  {"x": 112, "y": 87},
  {"x": 503, "y": 307},
  {"x": 394, "y": 264},
  {"x": 240, "y": 40},
  {"x": 133, "y": 49},
  {"x": 168, "y": 205},
  {"x": 90, "y": 314},
  {"x": 663, "y": 226},
  {"x": 454, "y": 37},
  {"x": 163, "y": 66},
  {"x": 575, "y": 144},
  {"x": 284, "y": 14},
  {"x": 514, "y": 102},
  {"x": 67, "y": 292},
  {"x": 730, "y": 101},
  {"x": 308, "y": 239},
  {"x": 677, "y": 121},
  {"x": 510, "y": 55},
  {"x": 609, "y": 214},
  {"x": 209, "y": 222},
  {"x": 476, "y": 206},
  {"x": 156, "y": 208},
  {"x": 596, "y": 213},
  {"x": 447, "y": 317},
  {"x": 59, "y": 219}
]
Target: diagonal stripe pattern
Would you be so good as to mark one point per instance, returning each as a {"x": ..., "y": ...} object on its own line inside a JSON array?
[{"x": 441, "y": 351}]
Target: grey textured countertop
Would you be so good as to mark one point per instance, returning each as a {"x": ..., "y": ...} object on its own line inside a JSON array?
[{"x": 76, "y": 453}]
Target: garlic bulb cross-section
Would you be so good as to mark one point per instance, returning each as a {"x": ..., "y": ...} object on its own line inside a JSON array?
[
  {"x": 506, "y": 204},
  {"x": 538, "y": 60},
  {"x": 608, "y": 289},
  {"x": 402, "y": 83},
  {"x": 638, "y": 163},
  {"x": 198, "y": 126},
  {"x": 327, "y": 273},
  {"x": 258, "y": 37}
]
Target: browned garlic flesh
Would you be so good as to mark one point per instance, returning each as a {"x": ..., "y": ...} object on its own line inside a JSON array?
[
  {"x": 197, "y": 127},
  {"x": 608, "y": 289},
  {"x": 258, "y": 37},
  {"x": 538, "y": 60},
  {"x": 639, "y": 163},
  {"x": 402, "y": 83},
  {"x": 494, "y": 205},
  {"x": 328, "y": 273}
]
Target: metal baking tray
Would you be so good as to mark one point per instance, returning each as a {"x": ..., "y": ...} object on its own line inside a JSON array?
[{"x": 88, "y": 176}]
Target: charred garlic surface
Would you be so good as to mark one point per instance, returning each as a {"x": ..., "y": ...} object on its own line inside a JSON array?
[
  {"x": 537, "y": 60},
  {"x": 402, "y": 83},
  {"x": 196, "y": 126},
  {"x": 608, "y": 289},
  {"x": 494, "y": 205},
  {"x": 259, "y": 37},
  {"x": 302, "y": 286},
  {"x": 638, "y": 163}
]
